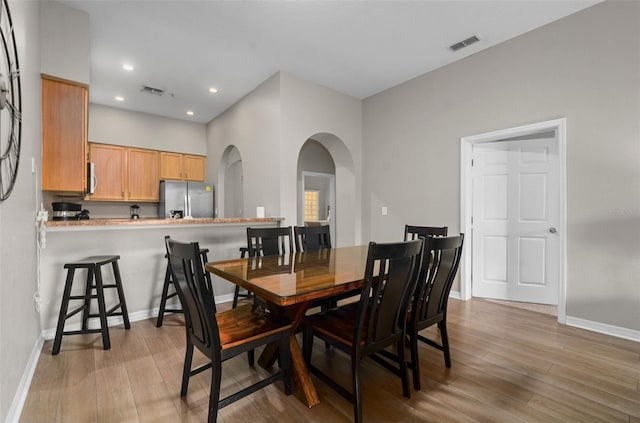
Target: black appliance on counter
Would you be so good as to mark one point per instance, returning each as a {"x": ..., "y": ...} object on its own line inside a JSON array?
[{"x": 69, "y": 211}]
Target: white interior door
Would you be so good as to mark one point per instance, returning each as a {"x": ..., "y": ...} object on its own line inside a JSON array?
[{"x": 516, "y": 212}]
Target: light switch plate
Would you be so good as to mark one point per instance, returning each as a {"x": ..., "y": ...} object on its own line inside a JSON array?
[{"x": 384, "y": 210}]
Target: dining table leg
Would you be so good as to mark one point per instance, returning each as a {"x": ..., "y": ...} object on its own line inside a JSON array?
[{"x": 294, "y": 314}]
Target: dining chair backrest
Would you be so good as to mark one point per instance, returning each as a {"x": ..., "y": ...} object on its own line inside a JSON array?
[
  {"x": 197, "y": 301},
  {"x": 269, "y": 241},
  {"x": 389, "y": 282},
  {"x": 312, "y": 238},
  {"x": 413, "y": 232},
  {"x": 440, "y": 265}
]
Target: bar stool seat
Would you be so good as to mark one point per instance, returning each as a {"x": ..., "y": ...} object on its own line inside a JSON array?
[
  {"x": 93, "y": 282},
  {"x": 168, "y": 282}
]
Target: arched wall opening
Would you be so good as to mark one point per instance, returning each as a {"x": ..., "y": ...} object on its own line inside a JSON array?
[
  {"x": 328, "y": 165},
  {"x": 230, "y": 184}
]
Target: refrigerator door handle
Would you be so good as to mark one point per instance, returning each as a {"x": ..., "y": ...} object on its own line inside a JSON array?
[{"x": 189, "y": 204}]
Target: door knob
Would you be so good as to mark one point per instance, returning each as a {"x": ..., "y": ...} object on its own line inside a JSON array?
[{"x": 553, "y": 230}]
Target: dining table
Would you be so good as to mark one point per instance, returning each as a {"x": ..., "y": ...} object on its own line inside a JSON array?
[{"x": 289, "y": 285}]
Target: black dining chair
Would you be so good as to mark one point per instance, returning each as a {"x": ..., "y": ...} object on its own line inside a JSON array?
[
  {"x": 265, "y": 242},
  {"x": 413, "y": 232},
  {"x": 440, "y": 262},
  {"x": 377, "y": 321},
  {"x": 221, "y": 336},
  {"x": 312, "y": 238}
]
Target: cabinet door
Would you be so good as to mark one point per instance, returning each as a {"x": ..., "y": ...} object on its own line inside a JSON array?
[
  {"x": 194, "y": 168},
  {"x": 143, "y": 177},
  {"x": 171, "y": 166},
  {"x": 64, "y": 136},
  {"x": 109, "y": 167}
]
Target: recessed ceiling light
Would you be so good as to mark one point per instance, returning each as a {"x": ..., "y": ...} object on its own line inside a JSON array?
[
  {"x": 128, "y": 67},
  {"x": 119, "y": 98},
  {"x": 213, "y": 90},
  {"x": 190, "y": 113}
]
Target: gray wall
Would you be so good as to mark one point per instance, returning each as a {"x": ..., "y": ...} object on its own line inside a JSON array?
[
  {"x": 269, "y": 127},
  {"x": 585, "y": 67},
  {"x": 135, "y": 129},
  {"x": 19, "y": 328},
  {"x": 65, "y": 42}
]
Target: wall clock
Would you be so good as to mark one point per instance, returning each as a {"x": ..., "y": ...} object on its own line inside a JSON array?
[{"x": 10, "y": 105}]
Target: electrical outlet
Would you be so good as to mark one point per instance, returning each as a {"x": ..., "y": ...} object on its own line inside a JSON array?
[{"x": 384, "y": 210}]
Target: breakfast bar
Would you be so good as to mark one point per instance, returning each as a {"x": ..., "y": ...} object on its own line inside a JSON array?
[{"x": 140, "y": 245}]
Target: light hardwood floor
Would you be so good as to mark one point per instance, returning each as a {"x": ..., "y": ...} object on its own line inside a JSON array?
[{"x": 509, "y": 365}]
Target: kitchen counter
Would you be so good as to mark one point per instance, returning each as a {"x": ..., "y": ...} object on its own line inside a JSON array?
[
  {"x": 140, "y": 245},
  {"x": 96, "y": 224}
]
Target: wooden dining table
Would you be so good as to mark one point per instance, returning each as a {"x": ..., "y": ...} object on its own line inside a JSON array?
[{"x": 290, "y": 284}]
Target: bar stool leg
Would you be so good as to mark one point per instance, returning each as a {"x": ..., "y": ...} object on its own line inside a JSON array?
[
  {"x": 102, "y": 311},
  {"x": 163, "y": 299},
  {"x": 123, "y": 302},
  {"x": 63, "y": 311},
  {"x": 86, "y": 311}
]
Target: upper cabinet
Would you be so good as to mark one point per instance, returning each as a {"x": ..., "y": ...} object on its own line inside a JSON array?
[
  {"x": 181, "y": 167},
  {"x": 64, "y": 136},
  {"x": 124, "y": 173},
  {"x": 142, "y": 175},
  {"x": 109, "y": 163},
  {"x": 194, "y": 168}
]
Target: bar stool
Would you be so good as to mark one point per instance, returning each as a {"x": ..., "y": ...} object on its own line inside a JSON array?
[
  {"x": 168, "y": 281},
  {"x": 93, "y": 282},
  {"x": 237, "y": 294}
]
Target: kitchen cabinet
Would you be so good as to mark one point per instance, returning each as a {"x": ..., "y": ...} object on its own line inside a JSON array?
[
  {"x": 194, "y": 168},
  {"x": 109, "y": 167},
  {"x": 143, "y": 178},
  {"x": 181, "y": 167},
  {"x": 64, "y": 136}
]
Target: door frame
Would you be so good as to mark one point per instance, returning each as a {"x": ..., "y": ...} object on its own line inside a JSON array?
[{"x": 466, "y": 199}]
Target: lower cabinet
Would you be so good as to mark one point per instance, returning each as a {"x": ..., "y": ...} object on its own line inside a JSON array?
[{"x": 124, "y": 174}]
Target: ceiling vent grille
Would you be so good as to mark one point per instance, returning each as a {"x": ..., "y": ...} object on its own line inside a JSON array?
[
  {"x": 152, "y": 90},
  {"x": 464, "y": 43}
]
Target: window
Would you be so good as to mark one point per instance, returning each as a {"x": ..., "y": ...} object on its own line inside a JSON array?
[{"x": 311, "y": 204}]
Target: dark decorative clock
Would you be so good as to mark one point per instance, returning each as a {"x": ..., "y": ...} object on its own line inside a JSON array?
[{"x": 10, "y": 105}]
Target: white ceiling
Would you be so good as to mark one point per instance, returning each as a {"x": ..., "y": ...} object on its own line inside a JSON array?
[{"x": 356, "y": 47}]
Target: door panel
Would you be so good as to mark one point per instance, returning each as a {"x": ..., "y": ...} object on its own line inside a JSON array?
[{"x": 515, "y": 203}]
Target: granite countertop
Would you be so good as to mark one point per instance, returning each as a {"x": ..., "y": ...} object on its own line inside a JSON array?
[{"x": 157, "y": 221}]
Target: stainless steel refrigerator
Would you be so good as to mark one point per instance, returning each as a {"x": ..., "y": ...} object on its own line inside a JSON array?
[{"x": 186, "y": 199}]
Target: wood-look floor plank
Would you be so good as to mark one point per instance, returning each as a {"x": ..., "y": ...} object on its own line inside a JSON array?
[{"x": 509, "y": 365}]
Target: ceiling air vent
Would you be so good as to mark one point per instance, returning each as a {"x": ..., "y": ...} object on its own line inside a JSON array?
[
  {"x": 464, "y": 43},
  {"x": 152, "y": 90}
]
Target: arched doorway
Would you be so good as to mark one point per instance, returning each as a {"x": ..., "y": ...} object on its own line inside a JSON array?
[
  {"x": 344, "y": 216},
  {"x": 316, "y": 186},
  {"x": 230, "y": 184}
]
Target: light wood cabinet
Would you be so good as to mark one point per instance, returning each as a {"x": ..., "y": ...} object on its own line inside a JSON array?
[
  {"x": 194, "y": 168},
  {"x": 170, "y": 166},
  {"x": 110, "y": 171},
  {"x": 64, "y": 136},
  {"x": 143, "y": 179},
  {"x": 124, "y": 173},
  {"x": 181, "y": 167}
]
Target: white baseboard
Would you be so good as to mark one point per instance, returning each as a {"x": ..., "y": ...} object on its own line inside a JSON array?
[
  {"x": 617, "y": 331},
  {"x": 25, "y": 382},
  {"x": 455, "y": 294}
]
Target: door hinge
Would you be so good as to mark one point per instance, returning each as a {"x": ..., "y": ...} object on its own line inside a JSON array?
[
  {"x": 471, "y": 162},
  {"x": 472, "y": 220}
]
